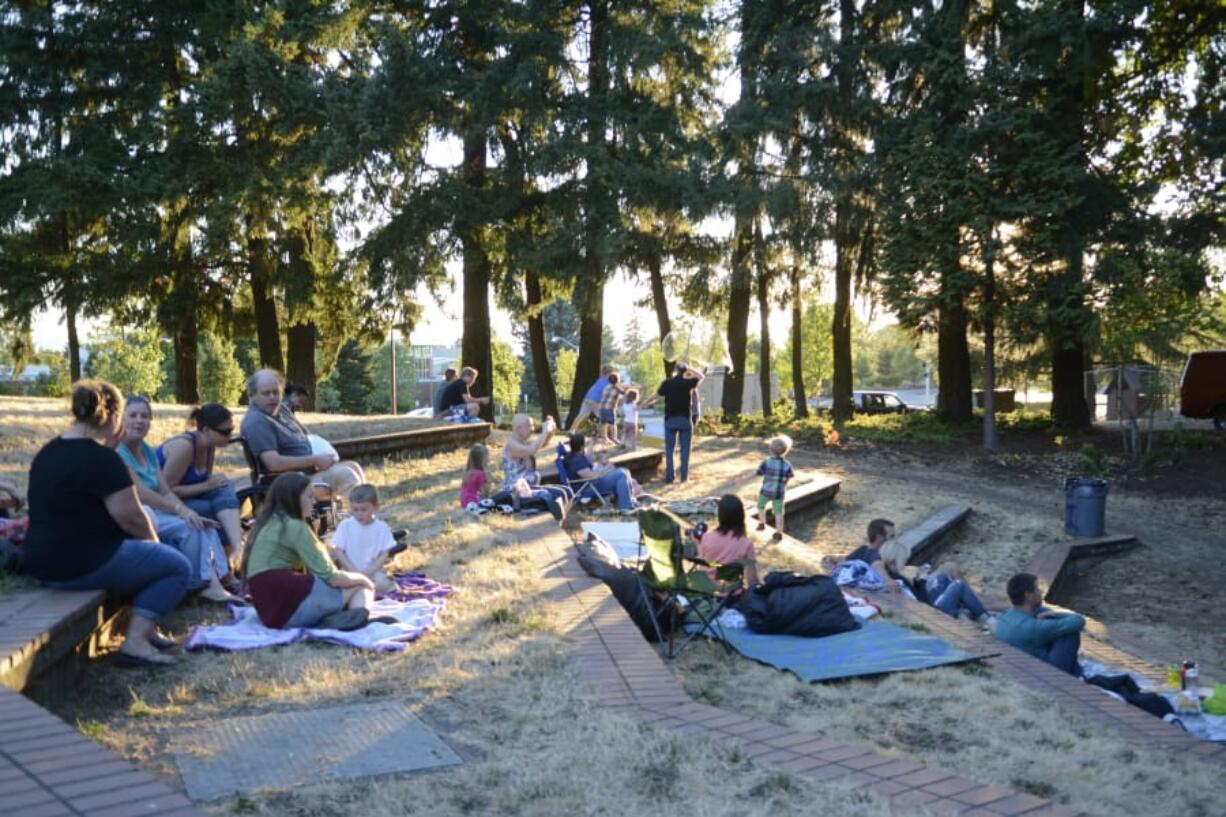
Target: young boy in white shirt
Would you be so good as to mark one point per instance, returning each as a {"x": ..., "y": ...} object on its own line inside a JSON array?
[{"x": 364, "y": 543}]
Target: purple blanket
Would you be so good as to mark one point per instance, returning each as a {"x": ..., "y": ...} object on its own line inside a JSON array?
[{"x": 416, "y": 606}]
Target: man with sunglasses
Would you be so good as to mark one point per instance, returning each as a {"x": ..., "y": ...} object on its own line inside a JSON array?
[{"x": 281, "y": 443}]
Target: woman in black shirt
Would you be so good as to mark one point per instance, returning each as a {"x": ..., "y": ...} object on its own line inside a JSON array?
[{"x": 88, "y": 530}]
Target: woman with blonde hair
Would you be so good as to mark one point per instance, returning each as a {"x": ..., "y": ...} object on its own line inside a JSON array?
[
  {"x": 88, "y": 530},
  {"x": 946, "y": 590}
]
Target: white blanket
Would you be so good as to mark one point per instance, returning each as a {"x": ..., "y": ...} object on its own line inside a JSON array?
[{"x": 246, "y": 632}]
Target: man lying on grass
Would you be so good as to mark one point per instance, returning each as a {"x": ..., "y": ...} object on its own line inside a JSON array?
[{"x": 1032, "y": 628}]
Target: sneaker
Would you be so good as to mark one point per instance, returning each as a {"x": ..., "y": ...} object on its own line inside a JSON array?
[{"x": 344, "y": 620}]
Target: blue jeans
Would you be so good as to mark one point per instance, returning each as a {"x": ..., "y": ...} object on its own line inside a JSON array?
[
  {"x": 210, "y": 504},
  {"x": 616, "y": 483},
  {"x": 951, "y": 596},
  {"x": 323, "y": 600},
  {"x": 153, "y": 575},
  {"x": 677, "y": 429},
  {"x": 1062, "y": 653},
  {"x": 197, "y": 544}
]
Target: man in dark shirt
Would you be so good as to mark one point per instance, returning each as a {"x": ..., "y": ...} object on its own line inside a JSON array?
[
  {"x": 456, "y": 399},
  {"x": 678, "y": 427},
  {"x": 449, "y": 377},
  {"x": 879, "y": 532}
]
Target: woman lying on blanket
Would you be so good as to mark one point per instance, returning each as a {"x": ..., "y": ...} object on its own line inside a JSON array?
[
  {"x": 946, "y": 590},
  {"x": 293, "y": 580}
]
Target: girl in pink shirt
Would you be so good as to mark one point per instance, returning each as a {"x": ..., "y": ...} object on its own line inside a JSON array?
[
  {"x": 476, "y": 481},
  {"x": 728, "y": 542}
]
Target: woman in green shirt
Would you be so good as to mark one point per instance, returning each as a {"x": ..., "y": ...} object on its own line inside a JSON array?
[{"x": 292, "y": 578}]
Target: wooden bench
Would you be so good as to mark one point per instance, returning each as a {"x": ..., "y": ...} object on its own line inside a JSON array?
[
  {"x": 416, "y": 442},
  {"x": 40, "y": 627},
  {"x": 643, "y": 464},
  {"x": 816, "y": 493},
  {"x": 1049, "y": 562},
  {"x": 924, "y": 539}
]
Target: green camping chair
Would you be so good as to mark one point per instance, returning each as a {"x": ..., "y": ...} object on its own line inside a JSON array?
[{"x": 670, "y": 570}]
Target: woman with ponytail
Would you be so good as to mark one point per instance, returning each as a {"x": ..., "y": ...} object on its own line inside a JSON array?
[{"x": 187, "y": 465}]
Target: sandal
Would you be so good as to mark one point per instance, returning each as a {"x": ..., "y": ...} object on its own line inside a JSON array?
[
  {"x": 162, "y": 641},
  {"x": 150, "y": 660},
  {"x": 221, "y": 596}
]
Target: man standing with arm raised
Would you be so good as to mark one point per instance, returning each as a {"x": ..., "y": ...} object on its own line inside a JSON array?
[{"x": 677, "y": 424}]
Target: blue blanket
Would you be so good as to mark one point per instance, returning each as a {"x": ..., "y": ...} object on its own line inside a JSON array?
[{"x": 875, "y": 648}]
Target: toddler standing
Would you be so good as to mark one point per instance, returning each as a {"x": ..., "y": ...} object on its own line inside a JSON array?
[
  {"x": 630, "y": 420},
  {"x": 364, "y": 543},
  {"x": 476, "y": 483},
  {"x": 775, "y": 471}
]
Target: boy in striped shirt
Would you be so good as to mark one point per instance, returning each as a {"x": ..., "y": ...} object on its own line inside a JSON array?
[{"x": 775, "y": 471}]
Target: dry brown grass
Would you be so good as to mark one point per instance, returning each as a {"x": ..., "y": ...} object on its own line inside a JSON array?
[
  {"x": 495, "y": 681},
  {"x": 970, "y": 721}
]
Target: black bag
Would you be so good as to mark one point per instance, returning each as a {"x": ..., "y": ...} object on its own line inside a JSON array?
[{"x": 789, "y": 604}]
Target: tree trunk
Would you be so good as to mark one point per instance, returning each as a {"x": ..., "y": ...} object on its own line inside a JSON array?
[
  {"x": 589, "y": 292},
  {"x": 739, "y": 295},
  {"x": 845, "y": 237},
  {"x": 546, "y": 392},
  {"x": 187, "y": 372},
  {"x": 953, "y": 361},
  {"x": 300, "y": 358},
  {"x": 1069, "y": 407},
  {"x": 475, "y": 347},
  {"x": 1067, "y": 315},
  {"x": 659, "y": 300},
  {"x": 764, "y": 349},
  {"x": 990, "y": 439},
  {"x": 74, "y": 342},
  {"x": 840, "y": 326},
  {"x": 591, "y": 337},
  {"x": 798, "y": 359},
  {"x": 267, "y": 325}
]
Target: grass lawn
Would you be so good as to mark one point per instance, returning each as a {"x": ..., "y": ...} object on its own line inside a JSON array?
[{"x": 496, "y": 682}]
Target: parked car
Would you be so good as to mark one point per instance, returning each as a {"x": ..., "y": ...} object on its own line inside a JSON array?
[
  {"x": 873, "y": 402},
  {"x": 1202, "y": 389}
]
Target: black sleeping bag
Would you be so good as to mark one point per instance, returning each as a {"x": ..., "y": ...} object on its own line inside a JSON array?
[{"x": 789, "y": 604}]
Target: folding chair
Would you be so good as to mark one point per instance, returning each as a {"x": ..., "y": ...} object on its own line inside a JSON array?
[
  {"x": 670, "y": 572},
  {"x": 324, "y": 514},
  {"x": 583, "y": 490}
]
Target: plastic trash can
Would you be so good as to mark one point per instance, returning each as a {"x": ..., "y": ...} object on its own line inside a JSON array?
[{"x": 1085, "y": 506}]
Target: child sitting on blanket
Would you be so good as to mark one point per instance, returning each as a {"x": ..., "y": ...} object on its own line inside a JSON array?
[
  {"x": 364, "y": 543},
  {"x": 476, "y": 484},
  {"x": 775, "y": 471}
]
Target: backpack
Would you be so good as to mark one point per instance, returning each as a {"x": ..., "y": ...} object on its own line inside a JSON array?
[{"x": 788, "y": 604}]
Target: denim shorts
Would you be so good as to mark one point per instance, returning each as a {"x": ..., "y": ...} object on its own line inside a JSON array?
[
  {"x": 323, "y": 600},
  {"x": 606, "y": 416}
]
